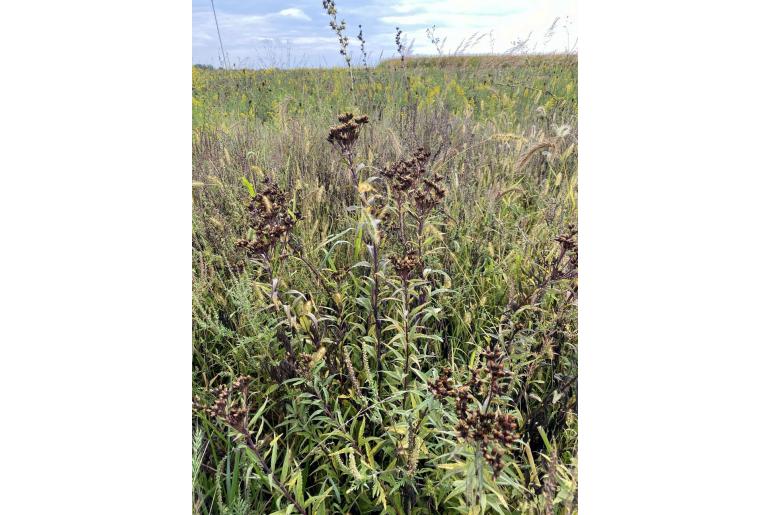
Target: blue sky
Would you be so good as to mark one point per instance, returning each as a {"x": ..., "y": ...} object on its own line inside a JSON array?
[{"x": 263, "y": 33}]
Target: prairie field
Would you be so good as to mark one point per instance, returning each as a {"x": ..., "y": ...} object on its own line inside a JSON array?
[{"x": 385, "y": 286}]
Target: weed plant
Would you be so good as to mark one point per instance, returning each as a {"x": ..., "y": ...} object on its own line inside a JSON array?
[{"x": 385, "y": 287}]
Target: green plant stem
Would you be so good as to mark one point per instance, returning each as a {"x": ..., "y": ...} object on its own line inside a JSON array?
[
  {"x": 407, "y": 368},
  {"x": 255, "y": 449},
  {"x": 375, "y": 310},
  {"x": 401, "y": 230}
]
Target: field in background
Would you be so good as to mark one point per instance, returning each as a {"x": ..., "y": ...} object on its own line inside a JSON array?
[{"x": 345, "y": 354}]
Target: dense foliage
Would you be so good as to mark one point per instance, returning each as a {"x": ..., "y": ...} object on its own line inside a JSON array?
[{"x": 385, "y": 302}]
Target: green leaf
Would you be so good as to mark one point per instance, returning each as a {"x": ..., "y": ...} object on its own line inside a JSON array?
[
  {"x": 545, "y": 438},
  {"x": 286, "y": 463},
  {"x": 249, "y": 186},
  {"x": 361, "y": 431}
]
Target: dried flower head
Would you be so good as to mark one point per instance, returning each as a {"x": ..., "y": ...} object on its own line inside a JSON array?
[
  {"x": 442, "y": 387},
  {"x": 462, "y": 396},
  {"x": 494, "y": 457},
  {"x": 401, "y": 44},
  {"x": 364, "y": 54},
  {"x": 271, "y": 219},
  {"x": 494, "y": 431},
  {"x": 429, "y": 195},
  {"x": 339, "y": 29},
  {"x": 570, "y": 245},
  {"x": 495, "y": 371},
  {"x": 345, "y": 135},
  {"x": 569, "y": 248},
  {"x": 404, "y": 265},
  {"x": 404, "y": 174},
  {"x": 226, "y": 406},
  {"x": 568, "y": 240}
]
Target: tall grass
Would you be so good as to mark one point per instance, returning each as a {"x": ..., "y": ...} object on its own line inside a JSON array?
[{"x": 344, "y": 325}]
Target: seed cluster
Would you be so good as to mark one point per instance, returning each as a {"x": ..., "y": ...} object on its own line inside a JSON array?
[
  {"x": 224, "y": 407},
  {"x": 410, "y": 176},
  {"x": 403, "y": 265},
  {"x": 404, "y": 174},
  {"x": 400, "y": 44},
  {"x": 270, "y": 218},
  {"x": 568, "y": 242},
  {"x": 364, "y": 55},
  {"x": 429, "y": 195},
  {"x": 338, "y": 28},
  {"x": 345, "y": 135},
  {"x": 494, "y": 431},
  {"x": 495, "y": 370}
]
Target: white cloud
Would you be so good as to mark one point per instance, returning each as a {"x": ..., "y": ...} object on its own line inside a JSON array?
[
  {"x": 405, "y": 7},
  {"x": 314, "y": 40},
  {"x": 465, "y": 7},
  {"x": 293, "y": 12},
  {"x": 245, "y": 32},
  {"x": 459, "y": 20}
]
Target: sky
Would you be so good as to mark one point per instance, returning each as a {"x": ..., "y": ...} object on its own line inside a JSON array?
[{"x": 288, "y": 33}]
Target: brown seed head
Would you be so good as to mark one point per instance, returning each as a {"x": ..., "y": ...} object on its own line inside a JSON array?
[
  {"x": 345, "y": 135},
  {"x": 404, "y": 265},
  {"x": 271, "y": 219}
]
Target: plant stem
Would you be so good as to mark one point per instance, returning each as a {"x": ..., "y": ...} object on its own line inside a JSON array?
[
  {"x": 420, "y": 224},
  {"x": 255, "y": 449},
  {"x": 376, "y": 311},
  {"x": 401, "y": 231},
  {"x": 407, "y": 368}
]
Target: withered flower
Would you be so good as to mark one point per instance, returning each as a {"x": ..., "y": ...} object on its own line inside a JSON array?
[
  {"x": 442, "y": 386},
  {"x": 409, "y": 176},
  {"x": 225, "y": 406},
  {"x": 345, "y": 135},
  {"x": 429, "y": 195},
  {"x": 494, "y": 369},
  {"x": 493, "y": 431},
  {"x": 494, "y": 457},
  {"x": 404, "y": 174},
  {"x": 462, "y": 396},
  {"x": 568, "y": 240},
  {"x": 271, "y": 219},
  {"x": 405, "y": 264},
  {"x": 569, "y": 248},
  {"x": 474, "y": 383}
]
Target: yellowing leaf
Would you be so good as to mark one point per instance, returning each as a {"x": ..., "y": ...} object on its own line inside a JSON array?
[
  {"x": 452, "y": 466},
  {"x": 365, "y": 187}
]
